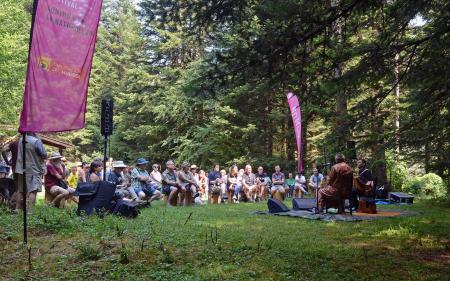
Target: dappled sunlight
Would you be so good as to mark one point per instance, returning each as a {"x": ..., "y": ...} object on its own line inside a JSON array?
[{"x": 399, "y": 231}]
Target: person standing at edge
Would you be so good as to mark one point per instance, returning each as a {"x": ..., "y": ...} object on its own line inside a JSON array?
[{"x": 35, "y": 154}]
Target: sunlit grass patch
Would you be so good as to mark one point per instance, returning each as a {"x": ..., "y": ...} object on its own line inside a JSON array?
[{"x": 225, "y": 242}]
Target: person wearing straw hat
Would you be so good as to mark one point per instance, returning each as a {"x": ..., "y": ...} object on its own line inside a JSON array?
[
  {"x": 115, "y": 176},
  {"x": 55, "y": 183}
]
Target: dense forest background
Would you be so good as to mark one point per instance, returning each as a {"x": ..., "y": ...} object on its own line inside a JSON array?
[{"x": 205, "y": 81}]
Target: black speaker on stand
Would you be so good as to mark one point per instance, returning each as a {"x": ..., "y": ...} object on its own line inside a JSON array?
[{"x": 106, "y": 127}]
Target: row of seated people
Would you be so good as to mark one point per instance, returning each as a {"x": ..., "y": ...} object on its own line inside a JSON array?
[{"x": 183, "y": 186}]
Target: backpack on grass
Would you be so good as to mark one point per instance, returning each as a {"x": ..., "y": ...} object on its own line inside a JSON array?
[{"x": 126, "y": 209}]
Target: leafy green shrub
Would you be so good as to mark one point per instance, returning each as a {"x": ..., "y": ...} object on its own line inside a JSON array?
[
  {"x": 397, "y": 171},
  {"x": 429, "y": 185}
]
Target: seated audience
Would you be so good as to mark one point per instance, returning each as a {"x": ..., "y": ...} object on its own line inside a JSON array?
[
  {"x": 300, "y": 186},
  {"x": 187, "y": 181},
  {"x": 261, "y": 183},
  {"x": 249, "y": 184},
  {"x": 115, "y": 176},
  {"x": 95, "y": 171},
  {"x": 66, "y": 171},
  {"x": 278, "y": 184},
  {"x": 127, "y": 176},
  {"x": 156, "y": 176},
  {"x": 223, "y": 186},
  {"x": 171, "y": 187},
  {"x": 339, "y": 184},
  {"x": 7, "y": 186},
  {"x": 141, "y": 182},
  {"x": 83, "y": 172},
  {"x": 55, "y": 183},
  {"x": 315, "y": 180},
  {"x": 72, "y": 180},
  {"x": 233, "y": 186},
  {"x": 215, "y": 181},
  {"x": 203, "y": 184},
  {"x": 290, "y": 182},
  {"x": 364, "y": 187},
  {"x": 240, "y": 178}
]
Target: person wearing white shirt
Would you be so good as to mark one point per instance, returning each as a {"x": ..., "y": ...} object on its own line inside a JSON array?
[{"x": 300, "y": 186}]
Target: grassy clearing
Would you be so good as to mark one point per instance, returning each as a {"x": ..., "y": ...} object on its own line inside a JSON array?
[{"x": 225, "y": 243}]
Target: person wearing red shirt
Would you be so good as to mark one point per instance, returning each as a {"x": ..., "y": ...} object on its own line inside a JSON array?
[{"x": 54, "y": 181}]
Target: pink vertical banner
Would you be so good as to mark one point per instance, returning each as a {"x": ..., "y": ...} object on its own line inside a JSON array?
[
  {"x": 294, "y": 106},
  {"x": 59, "y": 65}
]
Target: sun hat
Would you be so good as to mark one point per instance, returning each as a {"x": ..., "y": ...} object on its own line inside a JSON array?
[
  {"x": 193, "y": 166},
  {"x": 55, "y": 155},
  {"x": 141, "y": 161},
  {"x": 118, "y": 164}
]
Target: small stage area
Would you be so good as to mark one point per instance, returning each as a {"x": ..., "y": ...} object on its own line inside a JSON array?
[{"x": 341, "y": 217}]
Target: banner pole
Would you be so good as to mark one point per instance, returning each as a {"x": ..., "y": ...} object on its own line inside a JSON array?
[
  {"x": 24, "y": 189},
  {"x": 24, "y": 179}
]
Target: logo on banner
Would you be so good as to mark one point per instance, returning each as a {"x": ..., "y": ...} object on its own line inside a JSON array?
[{"x": 48, "y": 64}]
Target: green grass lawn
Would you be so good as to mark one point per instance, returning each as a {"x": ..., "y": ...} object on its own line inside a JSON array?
[{"x": 225, "y": 243}]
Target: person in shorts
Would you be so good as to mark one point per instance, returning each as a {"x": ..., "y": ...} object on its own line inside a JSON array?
[
  {"x": 35, "y": 169},
  {"x": 300, "y": 188},
  {"x": 115, "y": 176},
  {"x": 278, "y": 183},
  {"x": 261, "y": 183},
  {"x": 187, "y": 180},
  {"x": 249, "y": 184},
  {"x": 141, "y": 182},
  {"x": 171, "y": 187},
  {"x": 55, "y": 182}
]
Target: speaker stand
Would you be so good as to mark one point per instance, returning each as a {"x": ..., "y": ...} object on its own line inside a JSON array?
[{"x": 104, "y": 157}]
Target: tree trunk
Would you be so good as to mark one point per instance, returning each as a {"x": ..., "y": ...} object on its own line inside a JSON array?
[
  {"x": 270, "y": 129},
  {"x": 341, "y": 98},
  {"x": 397, "y": 108},
  {"x": 427, "y": 157},
  {"x": 304, "y": 142}
]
